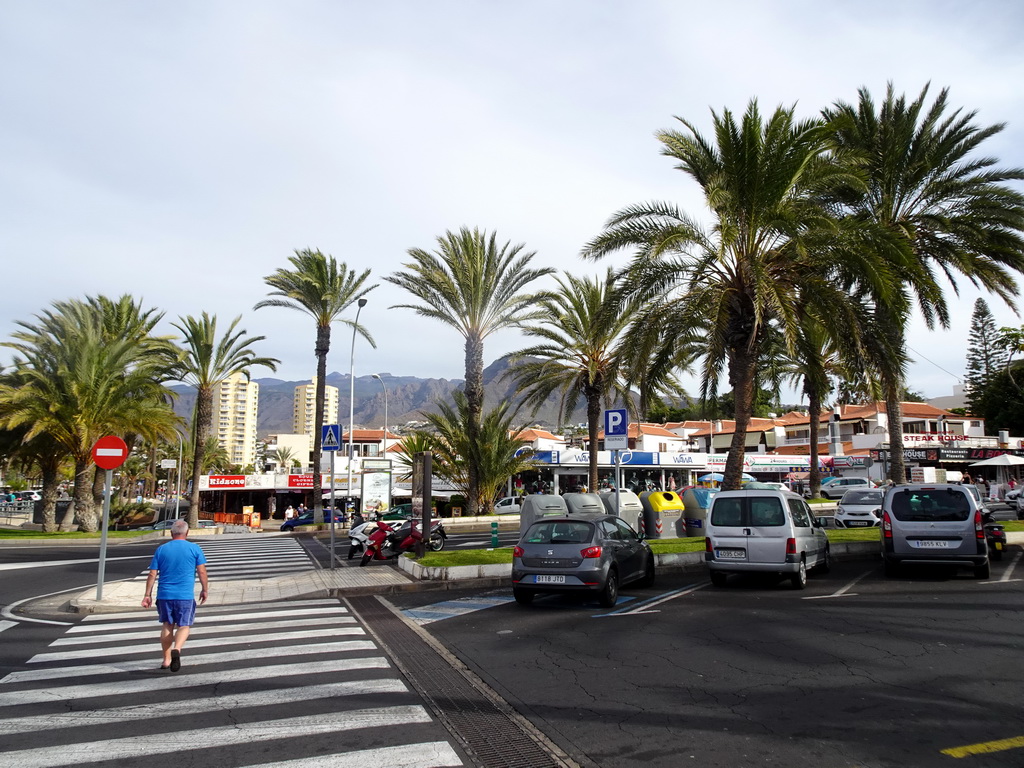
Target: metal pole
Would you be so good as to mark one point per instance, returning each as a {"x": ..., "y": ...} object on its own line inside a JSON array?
[
  {"x": 334, "y": 509},
  {"x": 177, "y": 487},
  {"x": 615, "y": 461},
  {"x": 377, "y": 376},
  {"x": 103, "y": 534},
  {"x": 352, "y": 395}
]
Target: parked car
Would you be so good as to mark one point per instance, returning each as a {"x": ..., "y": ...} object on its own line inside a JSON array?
[
  {"x": 584, "y": 553},
  {"x": 28, "y": 496},
  {"x": 161, "y": 525},
  {"x": 306, "y": 518},
  {"x": 208, "y": 524},
  {"x": 764, "y": 531},
  {"x": 509, "y": 505},
  {"x": 933, "y": 524},
  {"x": 860, "y": 509},
  {"x": 836, "y": 487}
]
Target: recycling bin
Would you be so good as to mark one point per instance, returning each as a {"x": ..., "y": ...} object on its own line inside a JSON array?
[
  {"x": 540, "y": 505},
  {"x": 630, "y": 508},
  {"x": 663, "y": 515},
  {"x": 578, "y": 503},
  {"x": 696, "y": 502}
]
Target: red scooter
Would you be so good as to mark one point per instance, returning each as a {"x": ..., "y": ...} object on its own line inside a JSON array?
[{"x": 387, "y": 542}]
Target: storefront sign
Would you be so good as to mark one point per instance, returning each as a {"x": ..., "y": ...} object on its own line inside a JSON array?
[
  {"x": 227, "y": 481},
  {"x": 300, "y": 481}
]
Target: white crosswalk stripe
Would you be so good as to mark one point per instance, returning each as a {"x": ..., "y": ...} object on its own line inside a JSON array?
[
  {"x": 248, "y": 557},
  {"x": 253, "y": 678}
]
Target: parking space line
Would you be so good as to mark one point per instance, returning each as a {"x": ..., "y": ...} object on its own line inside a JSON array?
[
  {"x": 644, "y": 605},
  {"x": 1011, "y": 566},
  {"x": 844, "y": 592},
  {"x": 985, "y": 747}
]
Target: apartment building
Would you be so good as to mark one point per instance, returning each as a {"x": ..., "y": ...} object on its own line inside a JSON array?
[
  {"x": 304, "y": 409},
  {"x": 236, "y": 405}
]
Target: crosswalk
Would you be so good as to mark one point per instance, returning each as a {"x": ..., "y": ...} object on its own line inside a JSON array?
[
  {"x": 298, "y": 684},
  {"x": 253, "y": 557}
]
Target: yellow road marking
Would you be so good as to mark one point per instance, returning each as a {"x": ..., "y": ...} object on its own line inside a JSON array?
[{"x": 985, "y": 747}]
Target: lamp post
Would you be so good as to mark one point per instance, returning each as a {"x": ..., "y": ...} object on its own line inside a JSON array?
[
  {"x": 385, "y": 389},
  {"x": 352, "y": 393},
  {"x": 177, "y": 479}
]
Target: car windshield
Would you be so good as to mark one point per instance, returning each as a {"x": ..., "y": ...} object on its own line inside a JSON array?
[
  {"x": 560, "y": 532},
  {"x": 862, "y": 497},
  {"x": 931, "y": 504}
]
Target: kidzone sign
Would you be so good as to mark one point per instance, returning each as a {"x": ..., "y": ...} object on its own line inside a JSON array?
[{"x": 227, "y": 481}]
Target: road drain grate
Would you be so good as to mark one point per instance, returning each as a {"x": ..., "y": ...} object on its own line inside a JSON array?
[{"x": 487, "y": 729}]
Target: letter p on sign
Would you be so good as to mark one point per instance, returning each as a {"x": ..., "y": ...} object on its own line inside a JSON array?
[{"x": 616, "y": 430}]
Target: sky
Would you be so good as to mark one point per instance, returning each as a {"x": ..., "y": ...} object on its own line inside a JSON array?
[{"x": 182, "y": 151}]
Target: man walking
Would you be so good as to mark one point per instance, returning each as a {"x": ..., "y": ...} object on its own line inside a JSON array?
[{"x": 176, "y": 563}]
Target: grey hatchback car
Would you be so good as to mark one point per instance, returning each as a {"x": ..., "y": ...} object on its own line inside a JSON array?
[{"x": 580, "y": 553}]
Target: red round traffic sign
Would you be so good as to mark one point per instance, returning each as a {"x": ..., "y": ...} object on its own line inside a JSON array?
[{"x": 109, "y": 452}]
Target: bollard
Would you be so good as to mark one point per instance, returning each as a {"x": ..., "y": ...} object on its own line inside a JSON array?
[{"x": 494, "y": 535}]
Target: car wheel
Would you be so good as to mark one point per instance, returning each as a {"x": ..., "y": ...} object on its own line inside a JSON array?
[
  {"x": 799, "y": 579},
  {"x": 523, "y": 596},
  {"x": 983, "y": 571},
  {"x": 826, "y": 562},
  {"x": 891, "y": 569},
  {"x": 436, "y": 542},
  {"x": 718, "y": 578},
  {"x": 610, "y": 592},
  {"x": 648, "y": 577}
]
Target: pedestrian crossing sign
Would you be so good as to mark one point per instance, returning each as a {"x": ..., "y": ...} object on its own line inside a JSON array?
[{"x": 330, "y": 437}]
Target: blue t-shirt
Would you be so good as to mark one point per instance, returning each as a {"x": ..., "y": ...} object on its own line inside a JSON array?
[{"x": 176, "y": 561}]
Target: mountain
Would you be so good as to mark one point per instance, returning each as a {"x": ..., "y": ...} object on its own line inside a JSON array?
[{"x": 407, "y": 398}]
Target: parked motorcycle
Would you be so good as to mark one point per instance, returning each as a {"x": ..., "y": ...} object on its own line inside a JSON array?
[
  {"x": 995, "y": 536},
  {"x": 385, "y": 542}
]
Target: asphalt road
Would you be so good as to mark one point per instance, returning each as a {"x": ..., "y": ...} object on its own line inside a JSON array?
[{"x": 856, "y": 670}]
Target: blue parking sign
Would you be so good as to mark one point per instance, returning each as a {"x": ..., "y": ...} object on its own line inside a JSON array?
[{"x": 616, "y": 429}]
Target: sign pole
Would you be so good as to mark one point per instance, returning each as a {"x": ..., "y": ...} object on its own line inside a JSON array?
[
  {"x": 618, "y": 483},
  {"x": 334, "y": 509},
  {"x": 103, "y": 533}
]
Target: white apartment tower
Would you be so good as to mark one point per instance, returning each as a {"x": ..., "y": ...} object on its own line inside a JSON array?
[
  {"x": 236, "y": 403},
  {"x": 304, "y": 408}
]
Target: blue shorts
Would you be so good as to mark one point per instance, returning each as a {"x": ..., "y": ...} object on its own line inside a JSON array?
[{"x": 180, "y": 613}]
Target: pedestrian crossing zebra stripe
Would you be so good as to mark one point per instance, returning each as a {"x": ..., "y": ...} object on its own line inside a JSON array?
[
  {"x": 131, "y": 687},
  {"x": 434, "y": 754},
  {"x": 203, "y": 642},
  {"x": 270, "y": 609},
  {"x": 211, "y": 619},
  {"x": 194, "y": 660},
  {"x": 250, "y": 627},
  {"x": 141, "y": 712},
  {"x": 220, "y": 736}
]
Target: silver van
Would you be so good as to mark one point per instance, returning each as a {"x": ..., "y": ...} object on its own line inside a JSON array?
[
  {"x": 933, "y": 524},
  {"x": 762, "y": 531}
]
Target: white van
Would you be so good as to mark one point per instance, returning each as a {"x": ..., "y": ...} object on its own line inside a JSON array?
[{"x": 761, "y": 531}]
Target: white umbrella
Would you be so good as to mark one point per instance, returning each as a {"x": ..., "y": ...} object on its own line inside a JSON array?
[{"x": 1004, "y": 460}]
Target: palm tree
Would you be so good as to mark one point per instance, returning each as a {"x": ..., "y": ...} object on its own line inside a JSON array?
[
  {"x": 322, "y": 288},
  {"x": 497, "y": 454},
  {"x": 206, "y": 360},
  {"x": 282, "y": 457},
  {"x": 477, "y": 287},
  {"x": 582, "y": 326},
  {"x": 771, "y": 240},
  {"x": 951, "y": 209}
]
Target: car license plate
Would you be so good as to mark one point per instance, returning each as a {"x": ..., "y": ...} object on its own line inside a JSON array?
[
  {"x": 857, "y": 522},
  {"x": 550, "y": 580},
  {"x": 934, "y": 544},
  {"x": 730, "y": 554}
]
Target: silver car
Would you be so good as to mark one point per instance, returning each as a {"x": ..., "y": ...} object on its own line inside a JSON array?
[
  {"x": 859, "y": 509},
  {"x": 583, "y": 553}
]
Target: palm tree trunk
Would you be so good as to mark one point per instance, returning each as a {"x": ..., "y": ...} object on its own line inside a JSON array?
[
  {"x": 323, "y": 346},
  {"x": 814, "y": 412},
  {"x": 474, "y": 388},
  {"x": 51, "y": 479},
  {"x": 593, "y": 427},
  {"x": 82, "y": 496},
  {"x": 201, "y": 428},
  {"x": 894, "y": 416},
  {"x": 742, "y": 366}
]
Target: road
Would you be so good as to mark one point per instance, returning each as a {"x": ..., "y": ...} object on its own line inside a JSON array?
[{"x": 857, "y": 670}]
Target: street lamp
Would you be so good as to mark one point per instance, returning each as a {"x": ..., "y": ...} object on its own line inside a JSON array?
[
  {"x": 352, "y": 393},
  {"x": 177, "y": 490},
  {"x": 378, "y": 378}
]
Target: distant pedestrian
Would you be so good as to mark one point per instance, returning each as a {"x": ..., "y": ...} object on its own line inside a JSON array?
[{"x": 177, "y": 563}]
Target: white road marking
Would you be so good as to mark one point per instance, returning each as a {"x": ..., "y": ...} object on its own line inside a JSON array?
[
  {"x": 166, "y": 682},
  {"x": 188, "y": 706},
  {"x": 251, "y": 627},
  {"x": 841, "y": 592},
  {"x": 7, "y": 625},
  {"x": 92, "y": 653},
  {"x": 54, "y": 563},
  {"x": 207, "y": 620},
  {"x": 194, "y": 660},
  {"x": 1011, "y": 566},
  {"x": 644, "y": 606},
  {"x": 434, "y": 754},
  {"x": 241, "y": 732},
  {"x": 221, "y": 609}
]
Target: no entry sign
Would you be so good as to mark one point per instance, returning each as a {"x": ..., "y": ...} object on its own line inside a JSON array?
[{"x": 109, "y": 452}]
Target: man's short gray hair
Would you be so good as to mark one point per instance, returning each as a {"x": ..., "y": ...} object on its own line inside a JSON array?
[{"x": 179, "y": 528}]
